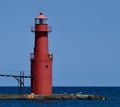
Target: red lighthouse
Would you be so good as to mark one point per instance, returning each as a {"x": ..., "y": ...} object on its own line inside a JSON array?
[{"x": 41, "y": 60}]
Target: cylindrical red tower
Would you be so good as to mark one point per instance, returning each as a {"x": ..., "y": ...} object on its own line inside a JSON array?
[{"x": 41, "y": 60}]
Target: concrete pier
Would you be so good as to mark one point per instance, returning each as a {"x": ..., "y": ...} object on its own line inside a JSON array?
[{"x": 51, "y": 97}]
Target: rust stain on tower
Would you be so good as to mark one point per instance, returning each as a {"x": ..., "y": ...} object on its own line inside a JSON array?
[{"x": 41, "y": 60}]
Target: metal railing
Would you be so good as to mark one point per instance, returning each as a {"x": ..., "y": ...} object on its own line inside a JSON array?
[
  {"x": 32, "y": 29},
  {"x": 31, "y": 56}
]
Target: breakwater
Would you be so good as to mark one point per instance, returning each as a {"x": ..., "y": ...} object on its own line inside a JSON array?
[{"x": 51, "y": 97}]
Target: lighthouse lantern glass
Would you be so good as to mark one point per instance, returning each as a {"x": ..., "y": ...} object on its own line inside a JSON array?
[{"x": 40, "y": 21}]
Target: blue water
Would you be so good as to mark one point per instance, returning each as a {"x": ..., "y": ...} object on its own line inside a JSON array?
[{"x": 112, "y": 92}]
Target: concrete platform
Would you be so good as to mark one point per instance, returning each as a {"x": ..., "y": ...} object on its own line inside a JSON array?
[{"x": 51, "y": 97}]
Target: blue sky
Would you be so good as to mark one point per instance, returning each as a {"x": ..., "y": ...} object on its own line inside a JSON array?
[{"x": 85, "y": 40}]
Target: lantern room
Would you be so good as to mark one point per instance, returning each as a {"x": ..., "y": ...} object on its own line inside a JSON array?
[
  {"x": 41, "y": 24},
  {"x": 41, "y": 19}
]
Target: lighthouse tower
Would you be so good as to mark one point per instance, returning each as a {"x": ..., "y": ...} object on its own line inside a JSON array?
[{"x": 41, "y": 60}]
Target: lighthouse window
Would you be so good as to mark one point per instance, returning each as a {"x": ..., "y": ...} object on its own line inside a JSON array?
[
  {"x": 37, "y": 21},
  {"x": 45, "y": 21},
  {"x": 46, "y": 66},
  {"x": 41, "y": 21}
]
